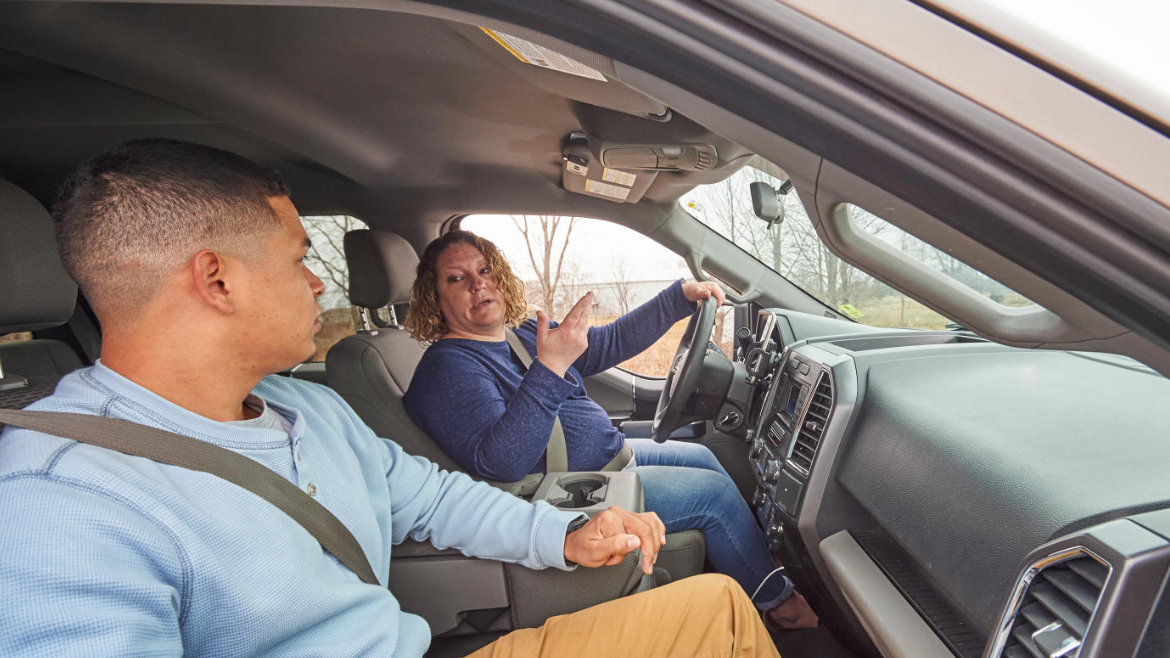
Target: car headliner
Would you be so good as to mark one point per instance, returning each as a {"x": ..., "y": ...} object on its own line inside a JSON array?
[
  {"x": 406, "y": 115},
  {"x": 402, "y": 120}
]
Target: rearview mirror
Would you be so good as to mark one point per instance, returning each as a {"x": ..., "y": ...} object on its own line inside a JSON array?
[{"x": 766, "y": 201}]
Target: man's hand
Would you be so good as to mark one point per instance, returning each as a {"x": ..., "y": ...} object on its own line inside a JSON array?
[
  {"x": 558, "y": 348},
  {"x": 699, "y": 290},
  {"x": 607, "y": 537}
]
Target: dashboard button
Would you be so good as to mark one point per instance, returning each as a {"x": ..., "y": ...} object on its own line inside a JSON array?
[
  {"x": 759, "y": 498},
  {"x": 771, "y": 473},
  {"x": 787, "y": 493},
  {"x": 804, "y": 368}
]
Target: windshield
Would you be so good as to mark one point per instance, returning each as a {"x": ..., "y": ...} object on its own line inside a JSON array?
[{"x": 792, "y": 247}]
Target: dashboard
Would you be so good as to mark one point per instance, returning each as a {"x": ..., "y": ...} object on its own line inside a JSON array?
[{"x": 955, "y": 497}]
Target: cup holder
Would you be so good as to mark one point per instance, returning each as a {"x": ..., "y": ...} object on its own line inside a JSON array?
[{"x": 576, "y": 492}]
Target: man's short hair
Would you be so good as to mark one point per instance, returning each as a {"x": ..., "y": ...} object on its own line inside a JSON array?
[{"x": 128, "y": 218}]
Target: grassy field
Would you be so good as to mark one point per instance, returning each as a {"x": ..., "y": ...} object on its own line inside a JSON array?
[
  {"x": 655, "y": 360},
  {"x": 899, "y": 311}
]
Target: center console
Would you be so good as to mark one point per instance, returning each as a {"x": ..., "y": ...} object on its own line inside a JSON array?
[
  {"x": 787, "y": 426},
  {"x": 467, "y": 596},
  {"x": 590, "y": 492}
]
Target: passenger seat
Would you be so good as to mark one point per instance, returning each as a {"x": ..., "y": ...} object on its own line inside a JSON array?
[
  {"x": 36, "y": 294},
  {"x": 371, "y": 370}
]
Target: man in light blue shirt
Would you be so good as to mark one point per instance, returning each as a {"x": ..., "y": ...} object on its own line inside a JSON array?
[{"x": 192, "y": 259}]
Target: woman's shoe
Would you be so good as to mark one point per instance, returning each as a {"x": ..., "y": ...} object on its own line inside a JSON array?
[{"x": 793, "y": 614}]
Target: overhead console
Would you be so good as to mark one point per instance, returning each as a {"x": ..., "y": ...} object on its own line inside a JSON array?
[{"x": 618, "y": 157}]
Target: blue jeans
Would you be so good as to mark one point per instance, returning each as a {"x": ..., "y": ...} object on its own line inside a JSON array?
[{"x": 689, "y": 490}]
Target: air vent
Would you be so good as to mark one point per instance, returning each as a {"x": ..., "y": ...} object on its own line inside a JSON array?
[
  {"x": 1056, "y": 607},
  {"x": 808, "y": 439}
]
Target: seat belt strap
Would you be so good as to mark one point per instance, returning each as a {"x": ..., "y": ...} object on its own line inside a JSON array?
[
  {"x": 556, "y": 456},
  {"x": 621, "y": 459},
  {"x": 185, "y": 452},
  {"x": 556, "y": 442}
]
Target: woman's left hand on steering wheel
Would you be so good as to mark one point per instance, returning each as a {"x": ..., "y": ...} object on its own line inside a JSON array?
[{"x": 699, "y": 290}]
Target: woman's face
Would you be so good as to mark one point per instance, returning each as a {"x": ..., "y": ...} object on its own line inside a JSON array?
[{"x": 468, "y": 299}]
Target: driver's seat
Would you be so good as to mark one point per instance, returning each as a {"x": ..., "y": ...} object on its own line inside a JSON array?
[{"x": 372, "y": 369}]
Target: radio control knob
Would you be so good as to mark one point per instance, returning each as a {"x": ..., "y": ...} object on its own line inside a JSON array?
[
  {"x": 772, "y": 473},
  {"x": 759, "y": 497}
]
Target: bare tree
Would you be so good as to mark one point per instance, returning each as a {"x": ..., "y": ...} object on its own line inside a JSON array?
[
  {"x": 327, "y": 256},
  {"x": 572, "y": 287},
  {"x": 546, "y": 250},
  {"x": 622, "y": 285}
]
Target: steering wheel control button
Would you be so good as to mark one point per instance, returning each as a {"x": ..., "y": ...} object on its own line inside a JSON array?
[{"x": 311, "y": 490}]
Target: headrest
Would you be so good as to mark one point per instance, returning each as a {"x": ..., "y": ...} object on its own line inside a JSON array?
[
  {"x": 35, "y": 291},
  {"x": 381, "y": 268}
]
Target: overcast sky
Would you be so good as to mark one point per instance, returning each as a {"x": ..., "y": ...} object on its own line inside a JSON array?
[{"x": 596, "y": 245}]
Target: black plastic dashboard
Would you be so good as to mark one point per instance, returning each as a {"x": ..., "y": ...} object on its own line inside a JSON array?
[{"x": 957, "y": 465}]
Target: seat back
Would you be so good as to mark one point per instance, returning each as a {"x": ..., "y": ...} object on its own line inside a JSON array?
[
  {"x": 36, "y": 294},
  {"x": 371, "y": 370}
]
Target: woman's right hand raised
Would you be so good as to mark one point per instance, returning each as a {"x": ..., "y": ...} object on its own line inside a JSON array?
[{"x": 558, "y": 348}]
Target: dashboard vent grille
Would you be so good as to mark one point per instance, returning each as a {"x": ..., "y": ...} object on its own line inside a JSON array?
[
  {"x": 808, "y": 439},
  {"x": 1056, "y": 608}
]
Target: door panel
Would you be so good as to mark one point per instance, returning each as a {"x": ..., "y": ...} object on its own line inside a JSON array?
[{"x": 613, "y": 391}]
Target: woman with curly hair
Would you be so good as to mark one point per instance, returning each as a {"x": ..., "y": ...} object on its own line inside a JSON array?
[{"x": 494, "y": 416}]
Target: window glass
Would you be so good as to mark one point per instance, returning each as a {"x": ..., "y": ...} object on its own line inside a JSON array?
[
  {"x": 792, "y": 247},
  {"x": 933, "y": 258},
  {"x": 562, "y": 258},
  {"x": 326, "y": 259}
]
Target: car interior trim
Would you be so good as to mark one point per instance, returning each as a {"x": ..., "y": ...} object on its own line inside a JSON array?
[
  {"x": 893, "y": 624},
  {"x": 1003, "y": 632}
]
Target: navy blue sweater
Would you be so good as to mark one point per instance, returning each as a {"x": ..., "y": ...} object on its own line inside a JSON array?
[{"x": 493, "y": 418}]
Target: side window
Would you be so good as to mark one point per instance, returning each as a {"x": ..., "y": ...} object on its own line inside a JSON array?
[
  {"x": 327, "y": 260},
  {"x": 562, "y": 258}
]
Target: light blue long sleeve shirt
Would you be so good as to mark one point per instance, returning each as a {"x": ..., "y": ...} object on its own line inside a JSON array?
[{"x": 104, "y": 554}]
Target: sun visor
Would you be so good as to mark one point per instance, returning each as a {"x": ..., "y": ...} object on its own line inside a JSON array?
[
  {"x": 561, "y": 68},
  {"x": 583, "y": 173}
]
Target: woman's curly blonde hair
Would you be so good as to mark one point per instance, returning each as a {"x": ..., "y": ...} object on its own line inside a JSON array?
[{"x": 425, "y": 320}]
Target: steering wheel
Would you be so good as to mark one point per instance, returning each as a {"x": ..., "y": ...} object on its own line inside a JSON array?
[{"x": 685, "y": 369}]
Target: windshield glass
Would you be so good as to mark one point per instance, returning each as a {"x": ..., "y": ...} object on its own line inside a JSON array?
[{"x": 792, "y": 247}]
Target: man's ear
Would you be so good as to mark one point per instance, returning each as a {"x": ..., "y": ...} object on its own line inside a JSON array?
[{"x": 209, "y": 276}]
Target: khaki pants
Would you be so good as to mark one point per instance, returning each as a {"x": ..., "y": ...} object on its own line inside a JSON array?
[{"x": 707, "y": 615}]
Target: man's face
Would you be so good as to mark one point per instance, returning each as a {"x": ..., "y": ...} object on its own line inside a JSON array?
[
  {"x": 471, "y": 305},
  {"x": 276, "y": 299}
]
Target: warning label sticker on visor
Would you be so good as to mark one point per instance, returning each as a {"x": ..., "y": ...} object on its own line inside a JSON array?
[
  {"x": 538, "y": 55},
  {"x": 605, "y": 189},
  {"x": 619, "y": 177}
]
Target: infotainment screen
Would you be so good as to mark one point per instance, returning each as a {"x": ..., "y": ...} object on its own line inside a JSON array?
[{"x": 793, "y": 399}]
